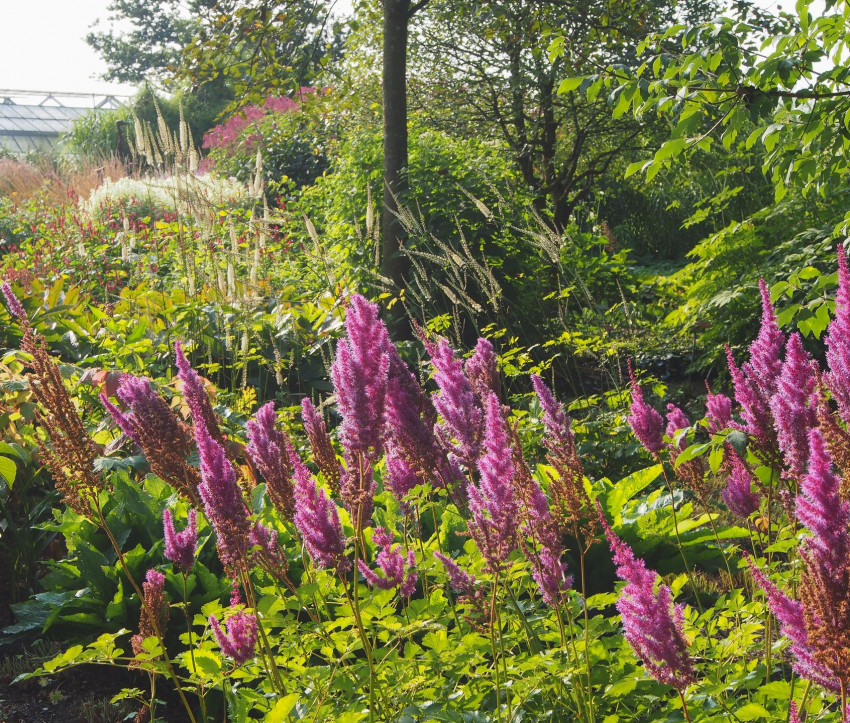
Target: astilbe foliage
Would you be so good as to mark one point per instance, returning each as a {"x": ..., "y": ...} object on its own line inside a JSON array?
[
  {"x": 239, "y": 639},
  {"x": 180, "y": 547},
  {"x": 392, "y": 564},
  {"x": 317, "y": 519},
  {"x": 268, "y": 449},
  {"x": 492, "y": 501},
  {"x": 324, "y": 454},
  {"x": 646, "y": 423},
  {"x": 838, "y": 342},
  {"x": 794, "y": 408},
  {"x": 165, "y": 440},
  {"x": 651, "y": 623}
]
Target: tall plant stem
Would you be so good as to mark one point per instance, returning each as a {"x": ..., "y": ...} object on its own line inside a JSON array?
[
  {"x": 154, "y": 619},
  {"x": 684, "y": 707},
  {"x": 493, "y": 646},
  {"x": 201, "y": 695},
  {"x": 678, "y": 536},
  {"x": 267, "y": 655},
  {"x": 591, "y": 712}
]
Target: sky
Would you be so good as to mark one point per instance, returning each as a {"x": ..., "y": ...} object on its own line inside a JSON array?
[{"x": 43, "y": 47}]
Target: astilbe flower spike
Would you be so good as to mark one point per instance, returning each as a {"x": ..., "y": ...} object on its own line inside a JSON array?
[
  {"x": 12, "y": 301},
  {"x": 718, "y": 411},
  {"x": 755, "y": 408},
  {"x": 320, "y": 442},
  {"x": 197, "y": 399},
  {"x": 223, "y": 501},
  {"x": 152, "y": 424},
  {"x": 180, "y": 546},
  {"x": 240, "y": 638},
  {"x": 765, "y": 363},
  {"x": 738, "y": 494},
  {"x": 571, "y": 508},
  {"x": 392, "y": 564},
  {"x": 267, "y": 553},
  {"x": 154, "y": 614},
  {"x": 317, "y": 520},
  {"x": 838, "y": 342},
  {"x": 268, "y": 449},
  {"x": 481, "y": 370},
  {"x": 692, "y": 471},
  {"x": 462, "y": 426},
  {"x": 459, "y": 579},
  {"x": 652, "y": 624},
  {"x": 492, "y": 501},
  {"x": 646, "y": 423},
  {"x": 794, "y": 408}
]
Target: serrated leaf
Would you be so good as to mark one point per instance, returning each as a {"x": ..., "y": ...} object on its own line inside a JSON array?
[{"x": 282, "y": 709}]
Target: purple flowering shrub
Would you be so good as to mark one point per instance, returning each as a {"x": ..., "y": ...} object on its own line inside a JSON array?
[{"x": 410, "y": 559}]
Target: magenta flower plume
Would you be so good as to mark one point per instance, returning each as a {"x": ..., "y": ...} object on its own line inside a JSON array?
[
  {"x": 222, "y": 498},
  {"x": 459, "y": 579},
  {"x": 821, "y": 510},
  {"x": 793, "y": 713},
  {"x": 550, "y": 574},
  {"x": 268, "y": 449},
  {"x": 755, "y": 408},
  {"x": 482, "y": 371},
  {"x": 392, "y": 564},
  {"x": 718, "y": 412},
  {"x": 324, "y": 454},
  {"x": 180, "y": 546},
  {"x": 154, "y": 613},
  {"x": 317, "y": 520},
  {"x": 462, "y": 426},
  {"x": 400, "y": 477},
  {"x": 555, "y": 418},
  {"x": 126, "y": 422},
  {"x": 738, "y": 494},
  {"x": 267, "y": 552},
  {"x": 838, "y": 342},
  {"x": 792, "y": 624},
  {"x": 493, "y": 502},
  {"x": 12, "y": 301},
  {"x": 676, "y": 420},
  {"x": 652, "y": 624},
  {"x": 359, "y": 375},
  {"x": 197, "y": 399},
  {"x": 765, "y": 363},
  {"x": 793, "y": 407},
  {"x": 646, "y": 423},
  {"x": 241, "y": 637}
]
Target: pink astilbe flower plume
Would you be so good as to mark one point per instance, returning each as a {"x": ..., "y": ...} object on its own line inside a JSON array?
[
  {"x": 197, "y": 399},
  {"x": 493, "y": 502},
  {"x": 462, "y": 426},
  {"x": 718, "y": 411},
  {"x": 154, "y": 614},
  {"x": 652, "y": 624},
  {"x": 459, "y": 579},
  {"x": 240, "y": 638},
  {"x": 755, "y": 408},
  {"x": 646, "y": 423},
  {"x": 267, "y": 553},
  {"x": 794, "y": 408},
  {"x": 223, "y": 502},
  {"x": 268, "y": 449},
  {"x": 180, "y": 546},
  {"x": 392, "y": 563},
  {"x": 738, "y": 493},
  {"x": 12, "y": 301},
  {"x": 482, "y": 371},
  {"x": 838, "y": 342},
  {"x": 765, "y": 363},
  {"x": 153, "y": 426},
  {"x": 324, "y": 454},
  {"x": 317, "y": 520}
]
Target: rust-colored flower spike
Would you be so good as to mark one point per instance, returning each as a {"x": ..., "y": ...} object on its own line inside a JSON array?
[
  {"x": 571, "y": 507},
  {"x": 154, "y": 614},
  {"x": 837, "y": 438},
  {"x": 71, "y": 453},
  {"x": 320, "y": 442}
]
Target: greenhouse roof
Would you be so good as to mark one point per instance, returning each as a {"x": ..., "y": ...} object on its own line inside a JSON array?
[{"x": 25, "y": 126}]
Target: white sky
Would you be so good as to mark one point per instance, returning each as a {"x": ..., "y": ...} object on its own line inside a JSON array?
[{"x": 43, "y": 47}]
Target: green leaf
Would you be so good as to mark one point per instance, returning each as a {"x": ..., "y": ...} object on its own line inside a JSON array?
[
  {"x": 569, "y": 84},
  {"x": 8, "y": 470},
  {"x": 752, "y": 711},
  {"x": 282, "y": 709}
]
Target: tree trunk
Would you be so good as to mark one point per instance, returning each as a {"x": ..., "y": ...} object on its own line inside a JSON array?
[{"x": 395, "y": 265}]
